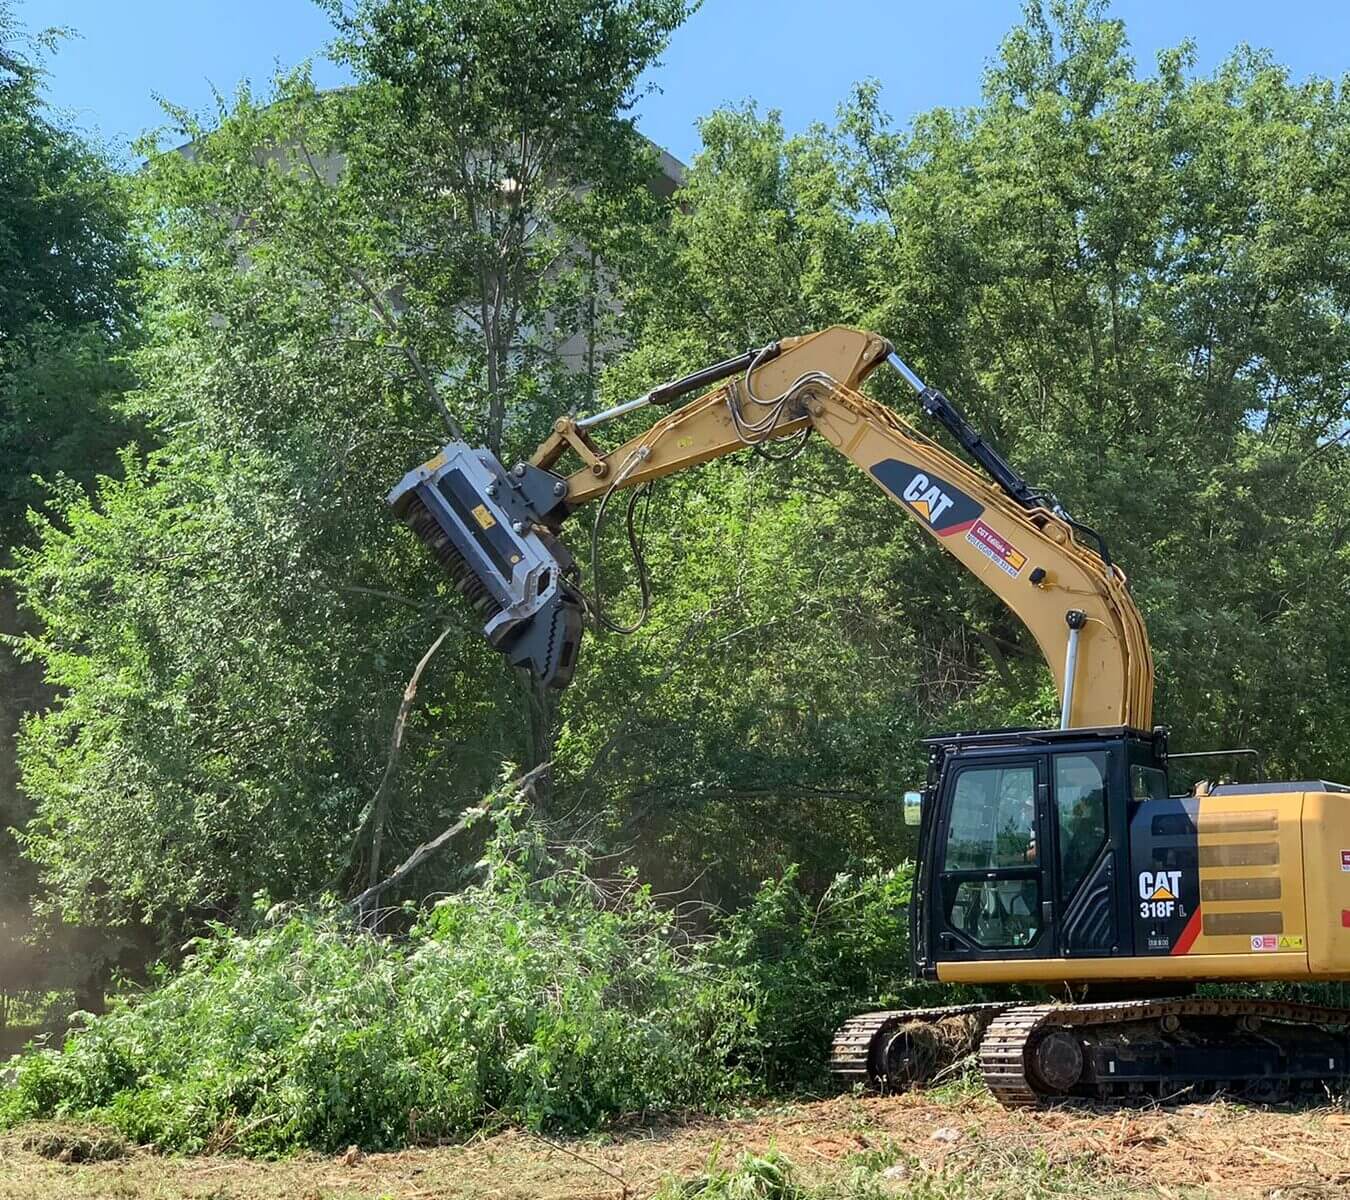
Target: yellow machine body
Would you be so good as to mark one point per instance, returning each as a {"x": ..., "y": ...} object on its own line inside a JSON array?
[{"x": 1273, "y": 874}]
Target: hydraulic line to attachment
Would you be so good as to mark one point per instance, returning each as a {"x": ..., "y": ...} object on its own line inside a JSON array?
[{"x": 597, "y": 601}]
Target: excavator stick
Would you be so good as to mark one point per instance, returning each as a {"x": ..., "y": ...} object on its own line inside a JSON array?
[{"x": 489, "y": 528}]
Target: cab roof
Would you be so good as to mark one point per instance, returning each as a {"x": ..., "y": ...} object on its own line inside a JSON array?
[{"x": 1028, "y": 736}]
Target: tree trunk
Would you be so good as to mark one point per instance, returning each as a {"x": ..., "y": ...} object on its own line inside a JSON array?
[
  {"x": 494, "y": 362},
  {"x": 540, "y": 711},
  {"x": 379, "y": 808}
]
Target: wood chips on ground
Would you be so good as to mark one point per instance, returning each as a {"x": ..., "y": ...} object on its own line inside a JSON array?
[{"x": 1216, "y": 1150}]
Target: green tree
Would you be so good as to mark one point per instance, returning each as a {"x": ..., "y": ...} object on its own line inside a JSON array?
[
  {"x": 502, "y": 130},
  {"x": 1136, "y": 285},
  {"x": 233, "y": 623},
  {"x": 65, "y": 318},
  {"x": 65, "y": 261}
]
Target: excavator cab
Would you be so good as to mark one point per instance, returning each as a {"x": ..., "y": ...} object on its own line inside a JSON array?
[{"x": 1025, "y": 848}]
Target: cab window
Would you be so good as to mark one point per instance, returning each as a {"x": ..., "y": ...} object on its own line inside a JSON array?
[
  {"x": 993, "y": 821},
  {"x": 1080, "y": 806},
  {"x": 992, "y": 826},
  {"x": 1147, "y": 783},
  {"x": 998, "y": 914}
]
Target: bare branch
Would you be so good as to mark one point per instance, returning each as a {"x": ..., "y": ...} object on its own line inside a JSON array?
[
  {"x": 363, "y": 902},
  {"x": 395, "y": 597},
  {"x": 380, "y": 805}
]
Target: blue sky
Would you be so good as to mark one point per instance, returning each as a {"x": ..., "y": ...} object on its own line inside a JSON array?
[{"x": 800, "y": 56}]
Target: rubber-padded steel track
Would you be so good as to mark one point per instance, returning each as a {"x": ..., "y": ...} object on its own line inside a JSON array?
[{"x": 1008, "y": 1051}]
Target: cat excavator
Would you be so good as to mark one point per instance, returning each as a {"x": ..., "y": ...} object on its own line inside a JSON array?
[{"x": 1054, "y": 858}]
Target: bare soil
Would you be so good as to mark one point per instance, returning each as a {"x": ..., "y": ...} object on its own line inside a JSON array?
[{"x": 959, "y": 1145}]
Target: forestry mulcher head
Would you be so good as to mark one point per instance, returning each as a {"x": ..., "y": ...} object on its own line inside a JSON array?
[{"x": 491, "y": 529}]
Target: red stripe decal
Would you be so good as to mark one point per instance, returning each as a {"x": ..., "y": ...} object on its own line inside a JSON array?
[
  {"x": 961, "y": 528},
  {"x": 1188, "y": 935}
]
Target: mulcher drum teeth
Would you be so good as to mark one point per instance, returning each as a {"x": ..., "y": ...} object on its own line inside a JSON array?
[
  {"x": 492, "y": 532},
  {"x": 428, "y": 531}
]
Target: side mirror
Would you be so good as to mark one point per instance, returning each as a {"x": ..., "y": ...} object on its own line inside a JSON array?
[{"x": 913, "y": 807}]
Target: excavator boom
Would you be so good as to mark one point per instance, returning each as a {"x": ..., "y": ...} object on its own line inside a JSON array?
[{"x": 494, "y": 529}]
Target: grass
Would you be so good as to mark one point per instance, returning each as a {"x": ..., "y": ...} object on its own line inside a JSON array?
[{"x": 888, "y": 1173}]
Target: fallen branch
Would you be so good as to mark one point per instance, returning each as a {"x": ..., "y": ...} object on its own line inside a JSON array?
[
  {"x": 375, "y": 808},
  {"x": 423, "y": 852},
  {"x": 581, "y": 1158}
]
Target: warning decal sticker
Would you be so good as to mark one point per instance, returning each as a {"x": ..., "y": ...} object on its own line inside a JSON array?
[
  {"x": 1272, "y": 941},
  {"x": 1345, "y": 860},
  {"x": 1001, "y": 552}
]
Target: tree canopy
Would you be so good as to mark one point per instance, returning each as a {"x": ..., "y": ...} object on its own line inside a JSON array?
[{"x": 1133, "y": 280}]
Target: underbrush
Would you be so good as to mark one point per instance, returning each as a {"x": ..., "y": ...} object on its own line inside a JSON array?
[
  {"x": 808, "y": 963},
  {"x": 537, "y": 996}
]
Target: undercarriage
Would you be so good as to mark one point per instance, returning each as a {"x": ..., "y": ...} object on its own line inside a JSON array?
[{"x": 1031, "y": 1054}]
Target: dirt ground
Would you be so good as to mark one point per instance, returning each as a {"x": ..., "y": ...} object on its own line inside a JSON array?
[{"x": 963, "y": 1145}]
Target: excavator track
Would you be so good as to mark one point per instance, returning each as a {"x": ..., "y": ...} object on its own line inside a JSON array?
[
  {"x": 866, "y": 1051},
  {"x": 1032, "y": 1055}
]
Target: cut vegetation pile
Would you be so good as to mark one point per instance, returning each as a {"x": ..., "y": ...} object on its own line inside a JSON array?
[{"x": 537, "y": 996}]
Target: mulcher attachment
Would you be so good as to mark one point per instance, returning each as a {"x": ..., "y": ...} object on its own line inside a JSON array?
[{"x": 489, "y": 530}]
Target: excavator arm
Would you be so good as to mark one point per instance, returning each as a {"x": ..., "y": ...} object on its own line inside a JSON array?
[{"x": 1022, "y": 546}]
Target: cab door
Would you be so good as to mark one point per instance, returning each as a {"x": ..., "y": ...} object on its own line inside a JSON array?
[
  {"x": 993, "y": 895},
  {"x": 1090, "y": 836}
]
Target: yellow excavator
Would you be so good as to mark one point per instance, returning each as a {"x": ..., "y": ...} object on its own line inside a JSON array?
[{"x": 1053, "y": 857}]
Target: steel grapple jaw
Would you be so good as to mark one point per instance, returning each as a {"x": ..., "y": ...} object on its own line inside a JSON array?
[{"x": 491, "y": 530}]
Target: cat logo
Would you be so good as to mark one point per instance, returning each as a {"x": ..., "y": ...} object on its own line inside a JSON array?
[
  {"x": 1158, "y": 893},
  {"x": 945, "y": 508},
  {"x": 1159, "y": 885},
  {"x": 926, "y": 498}
]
